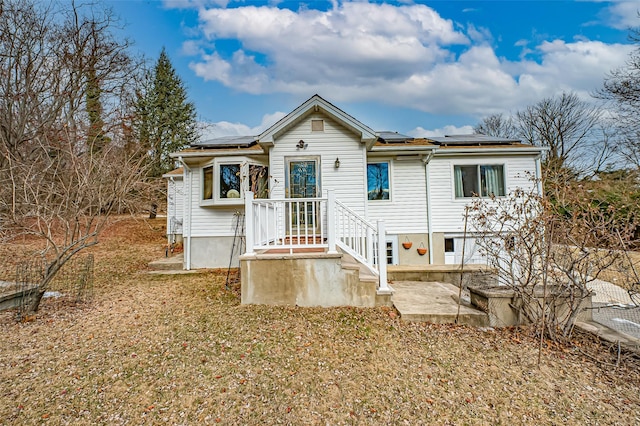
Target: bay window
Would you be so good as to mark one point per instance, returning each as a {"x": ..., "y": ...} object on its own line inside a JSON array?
[{"x": 225, "y": 182}]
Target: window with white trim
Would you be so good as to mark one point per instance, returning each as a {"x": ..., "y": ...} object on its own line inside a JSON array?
[
  {"x": 391, "y": 249},
  {"x": 207, "y": 183},
  {"x": 449, "y": 245},
  {"x": 225, "y": 182},
  {"x": 229, "y": 181},
  {"x": 378, "y": 181},
  {"x": 479, "y": 180},
  {"x": 259, "y": 180}
]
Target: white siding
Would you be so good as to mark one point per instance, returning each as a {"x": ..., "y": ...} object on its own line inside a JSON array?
[
  {"x": 210, "y": 221},
  {"x": 175, "y": 205},
  {"x": 406, "y": 211},
  {"x": 335, "y": 141},
  {"x": 447, "y": 212}
]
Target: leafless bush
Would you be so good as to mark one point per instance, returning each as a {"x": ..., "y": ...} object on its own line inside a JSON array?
[
  {"x": 549, "y": 249},
  {"x": 66, "y": 157}
]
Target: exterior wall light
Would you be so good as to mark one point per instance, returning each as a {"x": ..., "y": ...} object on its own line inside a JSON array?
[
  {"x": 337, "y": 163},
  {"x": 301, "y": 144}
]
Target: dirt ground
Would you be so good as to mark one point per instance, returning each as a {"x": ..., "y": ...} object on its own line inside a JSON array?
[{"x": 181, "y": 349}]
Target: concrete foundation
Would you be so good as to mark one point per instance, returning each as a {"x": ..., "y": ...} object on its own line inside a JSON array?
[
  {"x": 212, "y": 252},
  {"x": 438, "y": 248},
  {"x": 410, "y": 256},
  {"x": 305, "y": 279}
]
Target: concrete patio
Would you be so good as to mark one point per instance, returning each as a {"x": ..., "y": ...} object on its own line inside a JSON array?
[{"x": 434, "y": 302}]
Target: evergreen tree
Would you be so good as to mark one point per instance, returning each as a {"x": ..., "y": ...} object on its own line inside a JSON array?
[
  {"x": 165, "y": 121},
  {"x": 96, "y": 137}
]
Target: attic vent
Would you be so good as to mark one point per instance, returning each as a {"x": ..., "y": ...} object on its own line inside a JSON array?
[{"x": 317, "y": 125}]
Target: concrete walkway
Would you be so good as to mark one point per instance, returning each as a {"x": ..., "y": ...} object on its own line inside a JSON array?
[{"x": 433, "y": 302}]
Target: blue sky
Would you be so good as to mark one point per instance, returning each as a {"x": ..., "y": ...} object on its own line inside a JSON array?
[{"x": 419, "y": 68}]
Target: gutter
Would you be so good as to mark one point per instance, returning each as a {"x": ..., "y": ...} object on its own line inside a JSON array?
[
  {"x": 539, "y": 174},
  {"x": 215, "y": 153},
  {"x": 426, "y": 162},
  {"x": 402, "y": 149},
  {"x": 187, "y": 237},
  {"x": 443, "y": 152}
]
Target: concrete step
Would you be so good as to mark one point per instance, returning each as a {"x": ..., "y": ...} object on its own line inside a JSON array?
[
  {"x": 348, "y": 262},
  {"x": 434, "y": 302},
  {"x": 173, "y": 263}
]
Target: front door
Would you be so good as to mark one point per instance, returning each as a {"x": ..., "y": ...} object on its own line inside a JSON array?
[{"x": 303, "y": 182}]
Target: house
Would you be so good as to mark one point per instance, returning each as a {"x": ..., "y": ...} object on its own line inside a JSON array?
[{"x": 321, "y": 203}]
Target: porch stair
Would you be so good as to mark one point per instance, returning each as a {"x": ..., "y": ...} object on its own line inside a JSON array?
[
  {"x": 366, "y": 277},
  {"x": 312, "y": 252},
  {"x": 434, "y": 302},
  {"x": 169, "y": 266},
  {"x": 167, "y": 263}
]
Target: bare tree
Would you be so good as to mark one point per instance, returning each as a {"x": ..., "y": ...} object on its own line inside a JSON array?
[
  {"x": 578, "y": 138},
  {"x": 622, "y": 89},
  {"x": 55, "y": 63},
  {"x": 498, "y": 125},
  {"x": 564, "y": 124}
]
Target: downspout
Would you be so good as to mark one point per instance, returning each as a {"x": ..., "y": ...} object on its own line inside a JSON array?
[
  {"x": 169, "y": 227},
  {"x": 539, "y": 174},
  {"x": 426, "y": 162},
  {"x": 187, "y": 244}
]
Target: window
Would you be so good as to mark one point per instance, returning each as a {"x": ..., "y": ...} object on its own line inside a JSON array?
[
  {"x": 317, "y": 125},
  {"x": 448, "y": 245},
  {"x": 378, "y": 181},
  {"x": 225, "y": 183},
  {"x": 478, "y": 180},
  {"x": 389, "y": 252},
  {"x": 303, "y": 178},
  {"x": 229, "y": 178},
  {"x": 259, "y": 180},
  {"x": 207, "y": 183}
]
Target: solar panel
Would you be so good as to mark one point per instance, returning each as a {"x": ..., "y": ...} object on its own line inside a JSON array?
[
  {"x": 473, "y": 139},
  {"x": 226, "y": 141},
  {"x": 392, "y": 137}
]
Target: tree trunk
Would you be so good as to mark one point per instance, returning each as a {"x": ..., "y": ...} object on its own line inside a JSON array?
[
  {"x": 153, "y": 211},
  {"x": 34, "y": 304}
]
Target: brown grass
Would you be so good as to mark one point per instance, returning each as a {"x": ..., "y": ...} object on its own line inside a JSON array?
[{"x": 182, "y": 350}]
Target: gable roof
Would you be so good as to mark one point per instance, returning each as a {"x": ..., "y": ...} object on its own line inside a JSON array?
[{"x": 314, "y": 104}]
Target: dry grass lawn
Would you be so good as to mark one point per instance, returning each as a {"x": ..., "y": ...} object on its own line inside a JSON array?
[{"x": 182, "y": 350}]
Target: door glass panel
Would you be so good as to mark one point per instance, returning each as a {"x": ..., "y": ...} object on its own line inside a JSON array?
[
  {"x": 303, "y": 183},
  {"x": 302, "y": 179}
]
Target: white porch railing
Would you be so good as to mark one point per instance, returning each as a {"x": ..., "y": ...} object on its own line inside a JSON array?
[
  {"x": 287, "y": 223},
  {"x": 294, "y": 223}
]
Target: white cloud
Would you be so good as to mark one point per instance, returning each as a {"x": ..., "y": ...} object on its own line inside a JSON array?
[
  {"x": 193, "y": 4},
  {"x": 624, "y": 14},
  {"x": 226, "y": 128},
  {"x": 316, "y": 47},
  {"x": 420, "y": 132},
  {"x": 395, "y": 55},
  {"x": 579, "y": 66}
]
